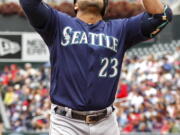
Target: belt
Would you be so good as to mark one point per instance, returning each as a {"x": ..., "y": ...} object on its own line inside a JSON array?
[{"x": 88, "y": 117}]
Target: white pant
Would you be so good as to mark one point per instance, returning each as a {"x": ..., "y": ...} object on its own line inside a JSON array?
[{"x": 63, "y": 125}]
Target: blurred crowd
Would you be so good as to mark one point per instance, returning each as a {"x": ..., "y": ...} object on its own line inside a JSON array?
[
  {"x": 116, "y": 8},
  {"x": 148, "y": 95},
  {"x": 71, "y": 1},
  {"x": 25, "y": 91}
]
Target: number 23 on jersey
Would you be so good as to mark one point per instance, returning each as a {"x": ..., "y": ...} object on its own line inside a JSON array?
[{"x": 109, "y": 67}]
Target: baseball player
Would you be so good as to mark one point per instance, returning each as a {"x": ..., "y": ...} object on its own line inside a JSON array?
[{"x": 86, "y": 55}]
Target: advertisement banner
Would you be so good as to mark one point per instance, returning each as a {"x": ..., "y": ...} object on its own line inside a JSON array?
[
  {"x": 34, "y": 48},
  {"x": 10, "y": 46}
]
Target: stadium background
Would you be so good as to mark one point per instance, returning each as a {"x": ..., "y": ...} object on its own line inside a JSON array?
[{"x": 148, "y": 95}]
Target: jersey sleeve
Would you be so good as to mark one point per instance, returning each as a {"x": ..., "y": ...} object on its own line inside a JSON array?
[
  {"x": 133, "y": 28},
  {"x": 50, "y": 28},
  {"x": 43, "y": 18}
]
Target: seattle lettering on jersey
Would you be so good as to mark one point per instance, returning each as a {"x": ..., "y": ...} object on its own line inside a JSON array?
[{"x": 71, "y": 37}]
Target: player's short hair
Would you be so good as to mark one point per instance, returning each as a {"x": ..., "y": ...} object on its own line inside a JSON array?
[{"x": 103, "y": 10}]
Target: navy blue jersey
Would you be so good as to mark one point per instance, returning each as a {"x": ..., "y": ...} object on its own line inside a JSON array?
[{"x": 86, "y": 59}]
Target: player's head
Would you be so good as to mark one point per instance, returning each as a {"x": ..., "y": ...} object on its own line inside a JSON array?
[{"x": 98, "y": 5}]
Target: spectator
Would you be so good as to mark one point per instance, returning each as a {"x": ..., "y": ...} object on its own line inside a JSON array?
[{"x": 154, "y": 94}]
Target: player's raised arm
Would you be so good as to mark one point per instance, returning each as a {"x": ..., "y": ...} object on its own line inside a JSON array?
[
  {"x": 153, "y": 6},
  {"x": 161, "y": 15},
  {"x": 41, "y": 17},
  {"x": 37, "y": 12},
  {"x": 148, "y": 24}
]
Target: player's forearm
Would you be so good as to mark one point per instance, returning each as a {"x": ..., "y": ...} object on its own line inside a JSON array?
[
  {"x": 153, "y": 6},
  {"x": 157, "y": 16},
  {"x": 37, "y": 12}
]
